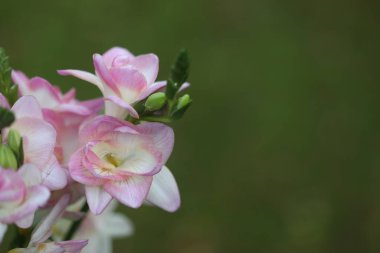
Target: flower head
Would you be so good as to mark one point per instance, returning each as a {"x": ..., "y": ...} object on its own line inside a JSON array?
[{"x": 122, "y": 78}]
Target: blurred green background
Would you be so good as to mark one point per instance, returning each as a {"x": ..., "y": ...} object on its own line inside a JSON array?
[{"x": 280, "y": 150}]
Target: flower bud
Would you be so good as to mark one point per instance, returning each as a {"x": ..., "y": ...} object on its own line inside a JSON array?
[
  {"x": 7, "y": 157},
  {"x": 155, "y": 101},
  {"x": 14, "y": 141},
  {"x": 183, "y": 101}
]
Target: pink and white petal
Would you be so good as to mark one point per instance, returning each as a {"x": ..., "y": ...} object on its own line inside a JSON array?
[
  {"x": 4, "y": 102},
  {"x": 164, "y": 191},
  {"x": 114, "y": 52},
  {"x": 69, "y": 96},
  {"x": 130, "y": 82},
  {"x": 103, "y": 73},
  {"x": 116, "y": 225},
  {"x": 131, "y": 192},
  {"x": 151, "y": 89},
  {"x": 43, "y": 231},
  {"x": 94, "y": 105},
  {"x": 21, "y": 80},
  {"x": 73, "y": 108},
  {"x": 12, "y": 187},
  {"x": 162, "y": 136},
  {"x": 26, "y": 221},
  {"x": 54, "y": 175},
  {"x": 119, "y": 109},
  {"x": 3, "y": 230},
  {"x": 79, "y": 172},
  {"x": 39, "y": 140},
  {"x": 38, "y": 196},
  {"x": 137, "y": 154},
  {"x": 46, "y": 94},
  {"x": 27, "y": 106},
  {"x": 184, "y": 87},
  {"x": 73, "y": 246},
  {"x": 148, "y": 65},
  {"x": 83, "y": 75},
  {"x": 96, "y": 128},
  {"x": 97, "y": 199},
  {"x": 30, "y": 174}
]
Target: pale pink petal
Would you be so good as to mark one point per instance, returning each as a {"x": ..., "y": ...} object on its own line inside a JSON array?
[
  {"x": 130, "y": 192},
  {"x": 94, "y": 105},
  {"x": 21, "y": 80},
  {"x": 43, "y": 231},
  {"x": 116, "y": 225},
  {"x": 105, "y": 76},
  {"x": 114, "y": 52},
  {"x": 83, "y": 75},
  {"x": 39, "y": 140},
  {"x": 73, "y": 246},
  {"x": 148, "y": 65},
  {"x": 30, "y": 174},
  {"x": 184, "y": 86},
  {"x": 26, "y": 221},
  {"x": 151, "y": 89},
  {"x": 99, "y": 126},
  {"x": 12, "y": 187},
  {"x": 120, "y": 108},
  {"x": 162, "y": 135},
  {"x": 46, "y": 94},
  {"x": 4, "y": 102},
  {"x": 164, "y": 191},
  {"x": 97, "y": 199},
  {"x": 78, "y": 171},
  {"x": 69, "y": 96},
  {"x": 54, "y": 175},
  {"x": 130, "y": 82},
  {"x": 27, "y": 106}
]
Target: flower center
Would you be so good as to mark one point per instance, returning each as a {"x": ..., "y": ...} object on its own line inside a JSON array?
[{"x": 112, "y": 159}]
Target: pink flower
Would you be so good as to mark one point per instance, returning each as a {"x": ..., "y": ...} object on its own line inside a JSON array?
[
  {"x": 120, "y": 160},
  {"x": 62, "y": 111},
  {"x": 73, "y": 246},
  {"x": 39, "y": 139},
  {"x": 123, "y": 78},
  {"x": 21, "y": 194}
]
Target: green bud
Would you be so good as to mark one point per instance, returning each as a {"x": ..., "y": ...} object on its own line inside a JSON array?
[
  {"x": 7, "y": 157},
  {"x": 183, "y": 104},
  {"x": 14, "y": 141},
  {"x": 155, "y": 101}
]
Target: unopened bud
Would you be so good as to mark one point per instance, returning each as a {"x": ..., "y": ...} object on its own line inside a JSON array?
[
  {"x": 14, "y": 141},
  {"x": 7, "y": 157},
  {"x": 155, "y": 101},
  {"x": 183, "y": 101}
]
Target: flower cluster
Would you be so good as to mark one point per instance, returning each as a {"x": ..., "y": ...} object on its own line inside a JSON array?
[{"x": 65, "y": 164}]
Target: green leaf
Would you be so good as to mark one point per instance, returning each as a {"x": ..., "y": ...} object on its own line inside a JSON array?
[
  {"x": 171, "y": 89},
  {"x": 180, "y": 70},
  {"x": 6, "y": 117},
  {"x": 7, "y": 88},
  {"x": 7, "y": 157}
]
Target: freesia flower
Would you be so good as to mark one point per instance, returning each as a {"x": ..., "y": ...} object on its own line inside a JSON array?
[
  {"x": 21, "y": 194},
  {"x": 39, "y": 139},
  {"x": 119, "y": 160},
  {"x": 99, "y": 230},
  {"x": 63, "y": 111},
  {"x": 123, "y": 78},
  {"x": 72, "y": 246}
]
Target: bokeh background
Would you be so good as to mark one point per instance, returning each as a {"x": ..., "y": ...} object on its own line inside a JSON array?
[{"x": 280, "y": 151}]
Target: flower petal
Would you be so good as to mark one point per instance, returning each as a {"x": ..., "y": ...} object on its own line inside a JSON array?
[
  {"x": 3, "y": 230},
  {"x": 109, "y": 85},
  {"x": 119, "y": 108},
  {"x": 151, "y": 89},
  {"x": 148, "y": 65},
  {"x": 130, "y": 192},
  {"x": 27, "y": 106},
  {"x": 54, "y": 175},
  {"x": 30, "y": 174},
  {"x": 83, "y": 75},
  {"x": 114, "y": 52},
  {"x": 164, "y": 191},
  {"x": 97, "y": 199}
]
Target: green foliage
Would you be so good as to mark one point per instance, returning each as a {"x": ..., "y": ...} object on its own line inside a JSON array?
[
  {"x": 6, "y": 117},
  {"x": 7, "y": 88},
  {"x": 7, "y": 157},
  {"x": 16, "y": 144},
  {"x": 155, "y": 101}
]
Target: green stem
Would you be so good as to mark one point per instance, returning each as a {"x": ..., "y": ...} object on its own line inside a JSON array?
[{"x": 75, "y": 226}]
